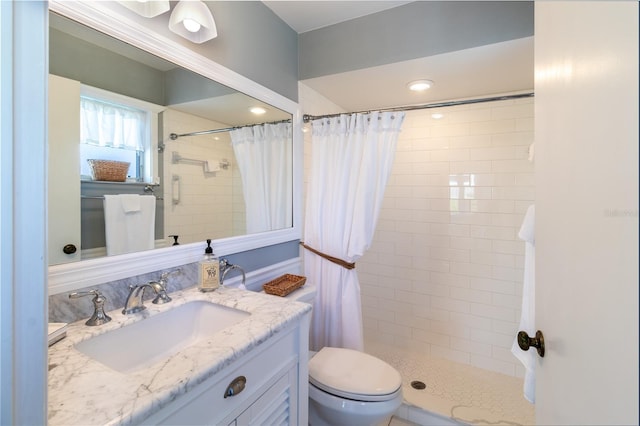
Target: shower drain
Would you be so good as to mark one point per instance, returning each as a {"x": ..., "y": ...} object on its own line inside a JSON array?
[{"x": 417, "y": 384}]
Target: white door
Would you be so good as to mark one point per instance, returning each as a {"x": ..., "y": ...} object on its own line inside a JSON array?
[
  {"x": 64, "y": 169},
  {"x": 586, "y": 113}
]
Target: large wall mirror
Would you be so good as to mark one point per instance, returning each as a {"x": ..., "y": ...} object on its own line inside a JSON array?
[{"x": 198, "y": 114}]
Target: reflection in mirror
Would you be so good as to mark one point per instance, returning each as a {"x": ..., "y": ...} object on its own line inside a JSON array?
[{"x": 223, "y": 173}]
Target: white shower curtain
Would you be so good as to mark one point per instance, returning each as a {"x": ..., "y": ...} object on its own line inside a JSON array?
[
  {"x": 264, "y": 156},
  {"x": 351, "y": 158}
]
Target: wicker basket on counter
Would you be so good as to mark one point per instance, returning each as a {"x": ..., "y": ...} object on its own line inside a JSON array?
[
  {"x": 284, "y": 285},
  {"x": 108, "y": 170}
]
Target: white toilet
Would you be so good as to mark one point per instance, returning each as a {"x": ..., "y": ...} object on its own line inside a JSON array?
[{"x": 348, "y": 387}]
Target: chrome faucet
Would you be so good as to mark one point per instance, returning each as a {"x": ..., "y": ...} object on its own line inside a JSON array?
[
  {"x": 160, "y": 288},
  {"x": 99, "y": 317},
  {"x": 225, "y": 267},
  {"x": 134, "y": 301}
]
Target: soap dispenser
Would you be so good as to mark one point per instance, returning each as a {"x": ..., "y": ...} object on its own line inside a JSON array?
[{"x": 209, "y": 270}]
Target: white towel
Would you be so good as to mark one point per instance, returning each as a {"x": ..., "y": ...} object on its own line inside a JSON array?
[
  {"x": 130, "y": 202},
  {"x": 527, "y": 319},
  {"x": 127, "y": 232},
  {"x": 211, "y": 166}
]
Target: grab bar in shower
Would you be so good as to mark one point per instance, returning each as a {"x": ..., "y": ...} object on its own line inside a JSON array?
[
  {"x": 175, "y": 189},
  {"x": 177, "y": 158}
]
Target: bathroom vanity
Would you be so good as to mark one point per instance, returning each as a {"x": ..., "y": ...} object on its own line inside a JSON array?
[{"x": 248, "y": 371}]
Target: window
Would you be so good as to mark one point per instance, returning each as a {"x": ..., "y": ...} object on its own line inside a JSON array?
[{"x": 115, "y": 127}]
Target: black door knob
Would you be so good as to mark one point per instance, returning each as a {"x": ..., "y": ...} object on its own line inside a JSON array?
[
  {"x": 69, "y": 249},
  {"x": 525, "y": 342}
]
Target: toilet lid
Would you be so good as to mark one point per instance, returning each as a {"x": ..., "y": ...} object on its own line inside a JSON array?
[{"x": 353, "y": 374}]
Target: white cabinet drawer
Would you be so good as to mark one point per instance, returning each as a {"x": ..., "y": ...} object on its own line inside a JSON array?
[{"x": 206, "y": 404}]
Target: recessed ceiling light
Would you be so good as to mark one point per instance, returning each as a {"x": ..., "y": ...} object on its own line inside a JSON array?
[
  {"x": 258, "y": 110},
  {"x": 419, "y": 85},
  {"x": 437, "y": 116}
]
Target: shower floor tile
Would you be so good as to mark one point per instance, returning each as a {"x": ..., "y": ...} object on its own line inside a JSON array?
[{"x": 463, "y": 393}]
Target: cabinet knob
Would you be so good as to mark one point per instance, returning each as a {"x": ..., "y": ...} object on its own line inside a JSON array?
[
  {"x": 69, "y": 249},
  {"x": 236, "y": 386},
  {"x": 525, "y": 342}
]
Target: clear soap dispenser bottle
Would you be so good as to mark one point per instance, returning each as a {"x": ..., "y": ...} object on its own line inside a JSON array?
[{"x": 209, "y": 270}]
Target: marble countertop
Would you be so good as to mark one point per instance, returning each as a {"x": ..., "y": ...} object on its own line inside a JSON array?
[{"x": 82, "y": 391}]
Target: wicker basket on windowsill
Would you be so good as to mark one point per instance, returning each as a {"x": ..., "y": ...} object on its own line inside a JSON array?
[
  {"x": 284, "y": 285},
  {"x": 108, "y": 170}
]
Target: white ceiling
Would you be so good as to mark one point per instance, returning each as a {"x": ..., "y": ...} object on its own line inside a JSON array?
[{"x": 499, "y": 68}]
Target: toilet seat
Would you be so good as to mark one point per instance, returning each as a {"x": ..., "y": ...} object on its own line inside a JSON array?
[{"x": 354, "y": 375}]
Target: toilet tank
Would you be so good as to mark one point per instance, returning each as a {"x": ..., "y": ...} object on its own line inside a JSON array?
[{"x": 305, "y": 294}]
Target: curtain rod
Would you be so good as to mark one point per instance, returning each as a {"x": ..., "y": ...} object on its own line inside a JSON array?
[
  {"x": 306, "y": 118},
  {"x": 175, "y": 136}
]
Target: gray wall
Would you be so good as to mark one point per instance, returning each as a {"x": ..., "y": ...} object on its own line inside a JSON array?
[
  {"x": 415, "y": 30},
  {"x": 252, "y": 41}
]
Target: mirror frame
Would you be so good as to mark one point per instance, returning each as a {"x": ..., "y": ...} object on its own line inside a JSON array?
[{"x": 85, "y": 273}]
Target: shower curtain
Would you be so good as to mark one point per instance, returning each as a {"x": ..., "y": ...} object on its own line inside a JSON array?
[
  {"x": 264, "y": 156},
  {"x": 351, "y": 158}
]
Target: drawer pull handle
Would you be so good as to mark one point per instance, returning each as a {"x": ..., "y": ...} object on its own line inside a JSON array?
[{"x": 236, "y": 386}]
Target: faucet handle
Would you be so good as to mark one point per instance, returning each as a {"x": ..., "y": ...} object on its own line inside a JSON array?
[
  {"x": 165, "y": 275},
  {"x": 99, "y": 317}
]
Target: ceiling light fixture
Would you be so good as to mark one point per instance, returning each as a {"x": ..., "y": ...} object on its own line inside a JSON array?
[
  {"x": 193, "y": 20},
  {"x": 258, "y": 110},
  {"x": 148, "y": 9},
  {"x": 437, "y": 116},
  {"x": 420, "y": 85}
]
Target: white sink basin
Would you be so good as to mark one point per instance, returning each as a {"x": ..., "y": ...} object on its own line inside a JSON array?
[{"x": 141, "y": 344}]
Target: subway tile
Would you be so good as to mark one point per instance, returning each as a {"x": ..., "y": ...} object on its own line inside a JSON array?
[
  {"x": 470, "y": 322},
  {"x": 525, "y": 124},
  {"x": 451, "y": 328},
  {"x": 464, "y": 345},
  {"x": 432, "y": 142},
  {"x": 511, "y": 166},
  {"x": 426, "y": 286},
  {"x": 506, "y": 273},
  {"x": 457, "y": 167},
  {"x": 492, "y": 364},
  {"x": 512, "y": 111},
  {"x": 509, "y": 328},
  {"x": 377, "y": 313},
  {"x": 493, "y": 232},
  {"x": 491, "y": 311},
  {"x": 445, "y": 260},
  {"x": 449, "y": 254},
  {"x": 431, "y": 167},
  {"x": 394, "y": 329},
  {"x": 493, "y": 153},
  {"x": 406, "y": 318},
  {"x": 430, "y": 337},
  {"x": 471, "y": 269},
  {"x": 450, "y": 354},
  {"x": 431, "y": 313},
  {"x": 458, "y": 129},
  {"x": 492, "y": 127},
  {"x": 470, "y": 141},
  {"x": 412, "y": 298},
  {"x": 430, "y": 288},
  {"x": 514, "y": 138},
  {"x": 449, "y": 280},
  {"x": 489, "y": 284},
  {"x": 471, "y": 295},
  {"x": 450, "y": 304}
]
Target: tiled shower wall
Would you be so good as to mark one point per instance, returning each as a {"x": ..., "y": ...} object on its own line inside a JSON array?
[
  {"x": 444, "y": 274},
  {"x": 211, "y": 204}
]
